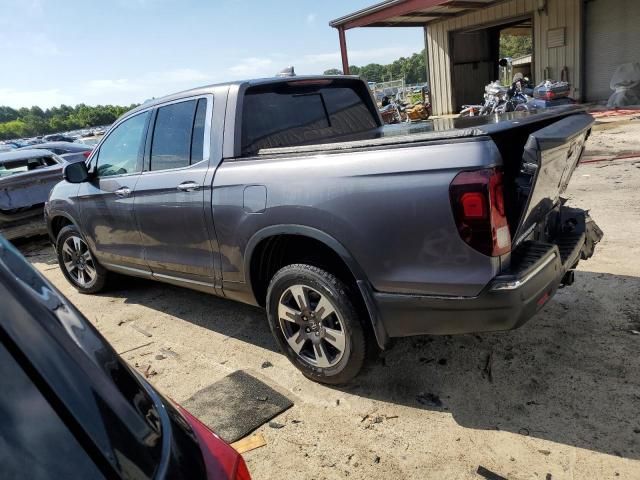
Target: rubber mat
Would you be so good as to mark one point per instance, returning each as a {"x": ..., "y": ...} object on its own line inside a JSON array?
[{"x": 236, "y": 405}]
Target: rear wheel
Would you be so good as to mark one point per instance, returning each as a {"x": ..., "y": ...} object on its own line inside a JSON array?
[
  {"x": 313, "y": 318},
  {"x": 77, "y": 263}
]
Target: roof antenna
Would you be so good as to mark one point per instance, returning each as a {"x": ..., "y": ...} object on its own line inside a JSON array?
[{"x": 286, "y": 72}]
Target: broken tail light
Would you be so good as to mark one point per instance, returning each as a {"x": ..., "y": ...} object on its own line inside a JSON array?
[
  {"x": 221, "y": 460},
  {"x": 477, "y": 200}
]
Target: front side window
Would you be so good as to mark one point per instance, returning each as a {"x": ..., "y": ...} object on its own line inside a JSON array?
[{"x": 121, "y": 150}]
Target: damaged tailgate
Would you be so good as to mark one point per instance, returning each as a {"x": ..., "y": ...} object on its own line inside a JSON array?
[{"x": 550, "y": 157}]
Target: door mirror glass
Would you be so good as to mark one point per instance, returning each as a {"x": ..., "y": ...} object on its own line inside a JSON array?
[{"x": 76, "y": 172}]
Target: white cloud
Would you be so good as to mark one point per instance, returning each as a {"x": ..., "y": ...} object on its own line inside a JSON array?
[
  {"x": 27, "y": 98},
  {"x": 109, "y": 90},
  {"x": 253, "y": 67},
  {"x": 311, "y": 18},
  {"x": 360, "y": 57}
]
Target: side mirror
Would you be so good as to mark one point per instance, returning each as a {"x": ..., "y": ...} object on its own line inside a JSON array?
[{"x": 76, "y": 172}]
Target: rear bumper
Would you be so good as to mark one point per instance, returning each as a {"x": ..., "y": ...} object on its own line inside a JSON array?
[{"x": 507, "y": 302}]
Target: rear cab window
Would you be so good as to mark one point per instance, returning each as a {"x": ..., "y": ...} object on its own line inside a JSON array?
[{"x": 304, "y": 113}]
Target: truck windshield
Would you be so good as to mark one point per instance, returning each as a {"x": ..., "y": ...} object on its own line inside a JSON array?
[{"x": 284, "y": 115}]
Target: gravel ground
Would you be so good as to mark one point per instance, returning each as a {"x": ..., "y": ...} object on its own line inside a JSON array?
[{"x": 558, "y": 397}]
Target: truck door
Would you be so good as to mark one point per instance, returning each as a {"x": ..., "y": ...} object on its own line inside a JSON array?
[
  {"x": 170, "y": 194},
  {"x": 106, "y": 202}
]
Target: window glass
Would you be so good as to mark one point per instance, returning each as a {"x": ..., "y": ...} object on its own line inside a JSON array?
[
  {"x": 197, "y": 138},
  {"x": 34, "y": 441},
  {"x": 301, "y": 115},
  {"x": 121, "y": 150},
  {"x": 12, "y": 167},
  {"x": 171, "y": 145}
]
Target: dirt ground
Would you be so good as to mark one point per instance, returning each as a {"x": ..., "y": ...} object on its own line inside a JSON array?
[{"x": 560, "y": 400}]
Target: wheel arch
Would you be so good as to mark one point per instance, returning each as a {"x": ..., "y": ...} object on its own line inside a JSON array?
[
  {"x": 357, "y": 274},
  {"x": 57, "y": 221}
]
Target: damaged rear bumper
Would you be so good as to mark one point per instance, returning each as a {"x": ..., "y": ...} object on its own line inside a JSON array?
[{"x": 537, "y": 270}]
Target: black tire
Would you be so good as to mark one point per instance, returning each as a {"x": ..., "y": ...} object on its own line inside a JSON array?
[
  {"x": 91, "y": 285},
  {"x": 317, "y": 283}
]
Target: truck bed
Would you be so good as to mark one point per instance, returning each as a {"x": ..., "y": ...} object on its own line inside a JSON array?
[{"x": 439, "y": 129}]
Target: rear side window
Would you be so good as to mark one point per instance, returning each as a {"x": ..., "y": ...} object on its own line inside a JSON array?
[
  {"x": 197, "y": 137},
  {"x": 178, "y": 136},
  {"x": 283, "y": 115}
]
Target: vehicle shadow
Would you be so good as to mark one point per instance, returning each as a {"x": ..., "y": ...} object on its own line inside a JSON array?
[
  {"x": 226, "y": 317},
  {"x": 571, "y": 375}
]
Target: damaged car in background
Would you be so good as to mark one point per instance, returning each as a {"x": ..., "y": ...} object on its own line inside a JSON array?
[{"x": 26, "y": 178}]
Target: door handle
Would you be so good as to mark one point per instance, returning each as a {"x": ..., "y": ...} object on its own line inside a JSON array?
[
  {"x": 123, "y": 192},
  {"x": 188, "y": 187}
]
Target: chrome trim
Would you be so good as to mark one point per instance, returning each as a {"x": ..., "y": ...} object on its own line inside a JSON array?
[
  {"x": 514, "y": 284},
  {"x": 181, "y": 280},
  {"x": 127, "y": 270}
]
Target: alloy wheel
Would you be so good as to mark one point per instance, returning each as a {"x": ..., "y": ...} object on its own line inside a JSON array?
[
  {"x": 78, "y": 261},
  {"x": 312, "y": 326}
]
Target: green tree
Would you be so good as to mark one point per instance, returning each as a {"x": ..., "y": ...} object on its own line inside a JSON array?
[
  {"x": 515, "y": 45},
  {"x": 412, "y": 69},
  {"x": 27, "y": 122}
]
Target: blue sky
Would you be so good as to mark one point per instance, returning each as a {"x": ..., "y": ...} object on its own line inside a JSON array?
[{"x": 125, "y": 51}]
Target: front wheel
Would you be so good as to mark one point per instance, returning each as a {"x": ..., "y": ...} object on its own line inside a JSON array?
[
  {"x": 77, "y": 263},
  {"x": 313, "y": 318}
]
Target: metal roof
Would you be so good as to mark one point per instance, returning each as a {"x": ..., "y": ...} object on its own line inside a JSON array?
[{"x": 407, "y": 13}]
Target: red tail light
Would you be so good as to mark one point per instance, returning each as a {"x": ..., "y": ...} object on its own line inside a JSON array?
[
  {"x": 221, "y": 461},
  {"x": 87, "y": 153},
  {"x": 477, "y": 199}
]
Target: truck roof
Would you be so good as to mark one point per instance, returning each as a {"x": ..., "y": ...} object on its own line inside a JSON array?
[{"x": 249, "y": 83}]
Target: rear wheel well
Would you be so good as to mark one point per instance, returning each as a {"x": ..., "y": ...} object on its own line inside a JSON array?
[
  {"x": 57, "y": 224},
  {"x": 278, "y": 251}
]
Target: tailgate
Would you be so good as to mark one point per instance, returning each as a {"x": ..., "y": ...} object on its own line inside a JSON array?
[{"x": 549, "y": 159}]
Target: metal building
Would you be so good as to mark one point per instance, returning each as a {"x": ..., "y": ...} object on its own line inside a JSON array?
[{"x": 581, "y": 41}]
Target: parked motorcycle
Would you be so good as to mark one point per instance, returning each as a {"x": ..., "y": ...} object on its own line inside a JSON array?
[
  {"x": 501, "y": 99},
  {"x": 391, "y": 111}
]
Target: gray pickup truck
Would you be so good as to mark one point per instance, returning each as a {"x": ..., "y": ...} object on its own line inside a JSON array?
[{"x": 290, "y": 194}]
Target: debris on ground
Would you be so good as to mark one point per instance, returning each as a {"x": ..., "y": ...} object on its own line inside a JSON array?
[
  {"x": 141, "y": 330},
  {"x": 249, "y": 443},
  {"x": 488, "y": 474},
  {"x": 266, "y": 365},
  {"x": 276, "y": 425},
  {"x": 160, "y": 357},
  {"x": 149, "y": 372},
  {"x": 488, "y": 366}
]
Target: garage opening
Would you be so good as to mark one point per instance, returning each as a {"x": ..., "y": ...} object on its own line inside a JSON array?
[
  {"x": 476, "y": 55},
  {"x": 612, "y": 37}
]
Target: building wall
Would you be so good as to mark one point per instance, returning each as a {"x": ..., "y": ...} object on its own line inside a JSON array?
[{"x": 560, "y": 13}]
